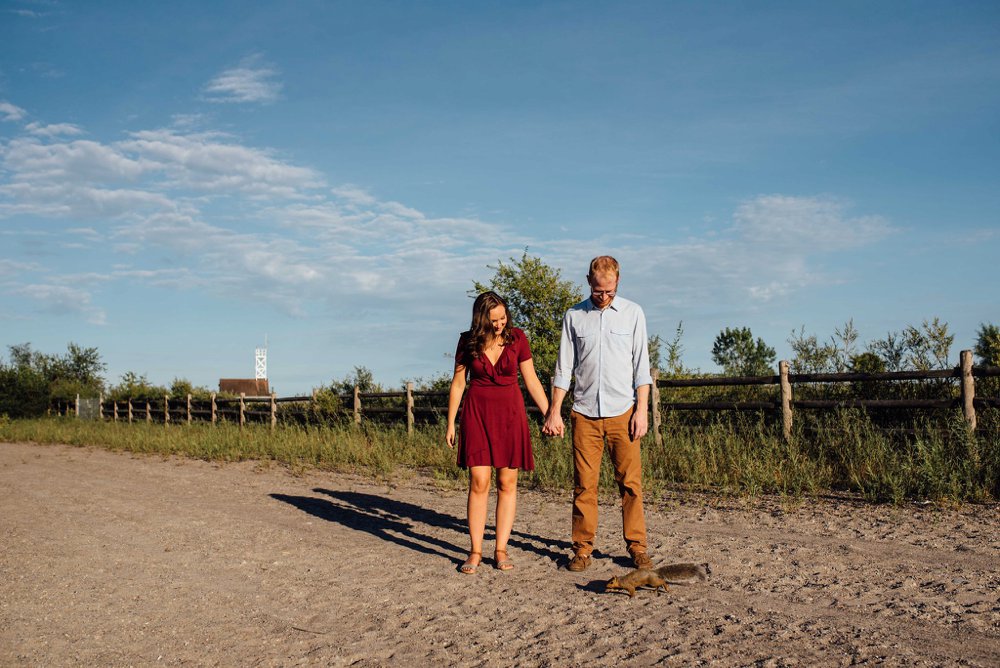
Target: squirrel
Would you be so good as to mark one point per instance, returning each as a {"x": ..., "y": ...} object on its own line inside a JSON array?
[
  {"x": 684, "y": 573},
  {"x": 657, "y": 579},
  {"x": 635, "y": 579}
]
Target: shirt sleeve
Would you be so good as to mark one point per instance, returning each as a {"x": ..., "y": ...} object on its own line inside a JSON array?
[
  {"x": 640, "y": 353},
  {"x": 460, "y": 351},
  {"x": 564, "y": 363},
  {"x": 523, "y": 347}
]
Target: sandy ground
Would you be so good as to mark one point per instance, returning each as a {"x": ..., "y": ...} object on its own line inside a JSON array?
[{"x": 114, "y": 560}]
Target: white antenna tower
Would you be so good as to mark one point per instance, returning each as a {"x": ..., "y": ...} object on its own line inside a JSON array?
[{"x": 260, "y": 358}]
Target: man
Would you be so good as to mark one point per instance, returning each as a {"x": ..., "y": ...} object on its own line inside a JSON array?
[{"x": 604, "y": 347}]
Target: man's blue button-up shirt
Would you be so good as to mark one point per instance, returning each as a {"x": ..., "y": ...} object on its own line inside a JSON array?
[{"x": 607, "y": 352}]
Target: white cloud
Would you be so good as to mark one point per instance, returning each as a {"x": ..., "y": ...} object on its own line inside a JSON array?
[
  {"x": 62, "y": 300},
  {"x": 13, "y": 268},
  {"x": 776, "y": 245},
  {"x": 9, "y": 112},
  {"x": 202, "y": 161},
  {"x": 80, "y": 161},
  {"x": 354, "y": 195},
  {"x": 250, "y": 82},
  {"x": 805, "y": 223},
  {"x": 53, "y": 130},
  {"x": 236, "y": 220}
]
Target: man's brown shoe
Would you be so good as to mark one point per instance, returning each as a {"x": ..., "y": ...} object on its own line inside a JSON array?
[
  {"x": 579, "y": 562},
  {"x": 642, "y": 560}
]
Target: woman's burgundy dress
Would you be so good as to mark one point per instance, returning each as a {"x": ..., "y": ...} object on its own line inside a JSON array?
[{"x": 494, "y": 425}]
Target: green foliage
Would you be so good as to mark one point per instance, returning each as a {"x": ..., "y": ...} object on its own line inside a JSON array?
[
  {"x": 137, "y": 387},
  {"x": 987, "y": 347},
  {"x": 437, "y": 383},
  {"x": 180, "y": 388},
  {"x": 916, "y": 348},
  {"x": 537, "y": 298},
  {"x": 811, "y": 356},
  {"x": 744, "y": 455},
  {"x": 362, "y": 377},
  {"x": 32, "y": 380},
  {"x": 736, "y": 351},
  {"x": 929, "y": 346},
  {"x": 667, "y": 356}
]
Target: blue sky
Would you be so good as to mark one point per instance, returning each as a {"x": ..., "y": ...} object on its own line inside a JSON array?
[{"x": 178, "y": 180}]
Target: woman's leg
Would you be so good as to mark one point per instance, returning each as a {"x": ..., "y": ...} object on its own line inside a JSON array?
[
  {"x": 479, "y": 494},
  {"x": 506, "y": 504}
]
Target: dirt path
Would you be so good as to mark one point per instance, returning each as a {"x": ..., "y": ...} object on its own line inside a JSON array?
[{"x": 118, "y": 560}]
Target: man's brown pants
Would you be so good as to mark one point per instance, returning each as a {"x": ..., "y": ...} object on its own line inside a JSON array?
[{"x": 589, "y": 436}]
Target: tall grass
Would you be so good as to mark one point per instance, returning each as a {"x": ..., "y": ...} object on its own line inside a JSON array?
[{"x": 742, "y": 455}]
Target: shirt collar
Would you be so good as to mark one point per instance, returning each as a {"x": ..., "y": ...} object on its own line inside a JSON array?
[{"x": 591, "y": 306}]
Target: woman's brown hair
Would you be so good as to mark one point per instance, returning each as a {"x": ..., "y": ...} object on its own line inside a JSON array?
[{"x": 481, "y": 329}]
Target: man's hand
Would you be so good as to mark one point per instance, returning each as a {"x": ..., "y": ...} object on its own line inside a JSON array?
[
  {"x": 638, "y": 425},
  {"x": 554, "y": 424}
]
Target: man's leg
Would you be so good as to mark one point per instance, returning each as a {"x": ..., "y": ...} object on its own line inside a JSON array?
[
  {"x": 627, "y": 460},
  {"x": 588, "y": 448}
]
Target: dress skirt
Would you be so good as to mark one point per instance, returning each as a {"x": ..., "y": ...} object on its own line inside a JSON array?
[{"x": 494, "y": 428}]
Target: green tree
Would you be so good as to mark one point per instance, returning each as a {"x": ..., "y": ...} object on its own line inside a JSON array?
[
  {"x": 667, "y": 355},
  {"x": 811, "y": 356},
  {"x": 891, "y": 350},
  {"x": 929, "y": 346},
  {"x": 136, "y": 386},
  {"x": 181, "y": 387},
  {"x": 988, "y": 345},
  {"x": 362, "y": 377},
  {"x": 24, "y": 389},
  {"x": 537, "y": 297},
  {"x": 33, "y": 379},
  {"x": 736, "y": 351}
]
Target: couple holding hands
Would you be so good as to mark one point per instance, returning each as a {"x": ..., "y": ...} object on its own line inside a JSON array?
[{"x": 604, "y": 348}]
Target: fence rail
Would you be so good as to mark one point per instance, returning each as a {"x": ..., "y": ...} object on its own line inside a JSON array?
[
  {"x": 965, "y": 372},
  {"x": 244, "y": 409}
]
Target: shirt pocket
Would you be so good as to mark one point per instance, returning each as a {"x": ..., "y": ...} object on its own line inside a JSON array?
[
  {"x": 586, "y": 343},
  {"x": 620, "y": 341}
]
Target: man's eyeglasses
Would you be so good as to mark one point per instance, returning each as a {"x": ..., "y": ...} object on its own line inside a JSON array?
[{"x": 603, "y": 293}]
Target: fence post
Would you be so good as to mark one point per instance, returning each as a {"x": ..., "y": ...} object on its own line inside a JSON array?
[
  {"x": 100, "y": 406},
  {"x": 77, "y": 409},
  {"x": 274, "y": 411},
  {"x": 149, "y": 412},
  {"x": 357, "y": 406},
  {"x": 243, "y": 409},
  {"x": 213, "y": 408},
  {"x": 786, "y": 401},
  {"x": 114, "y": 411},
  {"x": 409, "y": 407},
  {"x": 654, "y": 399},
  {"x": 130, "y": 410},
  {"x": 189, "y": 408},
  {"x": 968, "y": 388},
  {"x": 166, "y": 409}
]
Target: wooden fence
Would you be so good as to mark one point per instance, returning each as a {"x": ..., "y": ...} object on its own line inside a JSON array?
[
  {"x": 965, "y": 372},
  {"x": 404, "y": 406}
]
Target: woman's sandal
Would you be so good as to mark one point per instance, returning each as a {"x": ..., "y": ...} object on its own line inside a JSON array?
[
  {"x": 504, "y": 564},
  {"x": 469, "y": 567}
]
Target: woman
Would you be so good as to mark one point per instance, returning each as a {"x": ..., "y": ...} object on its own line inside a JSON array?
[{"x": 494, "y": 422}]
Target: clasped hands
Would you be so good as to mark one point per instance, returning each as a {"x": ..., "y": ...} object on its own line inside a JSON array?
[
  {"x": 638, "y": 424},
  {"x": 553, "y": 425}
]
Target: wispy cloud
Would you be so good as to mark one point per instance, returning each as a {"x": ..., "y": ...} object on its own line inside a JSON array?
[
  {"x": 774, "y": 246},
  {"x": 53, "y": 130},
  {"x": 236, "y": 220},
  {"x": 63, "y": 300},
  {"x": 10, "y": 112},
  {"x": 251, "y": 81}
]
